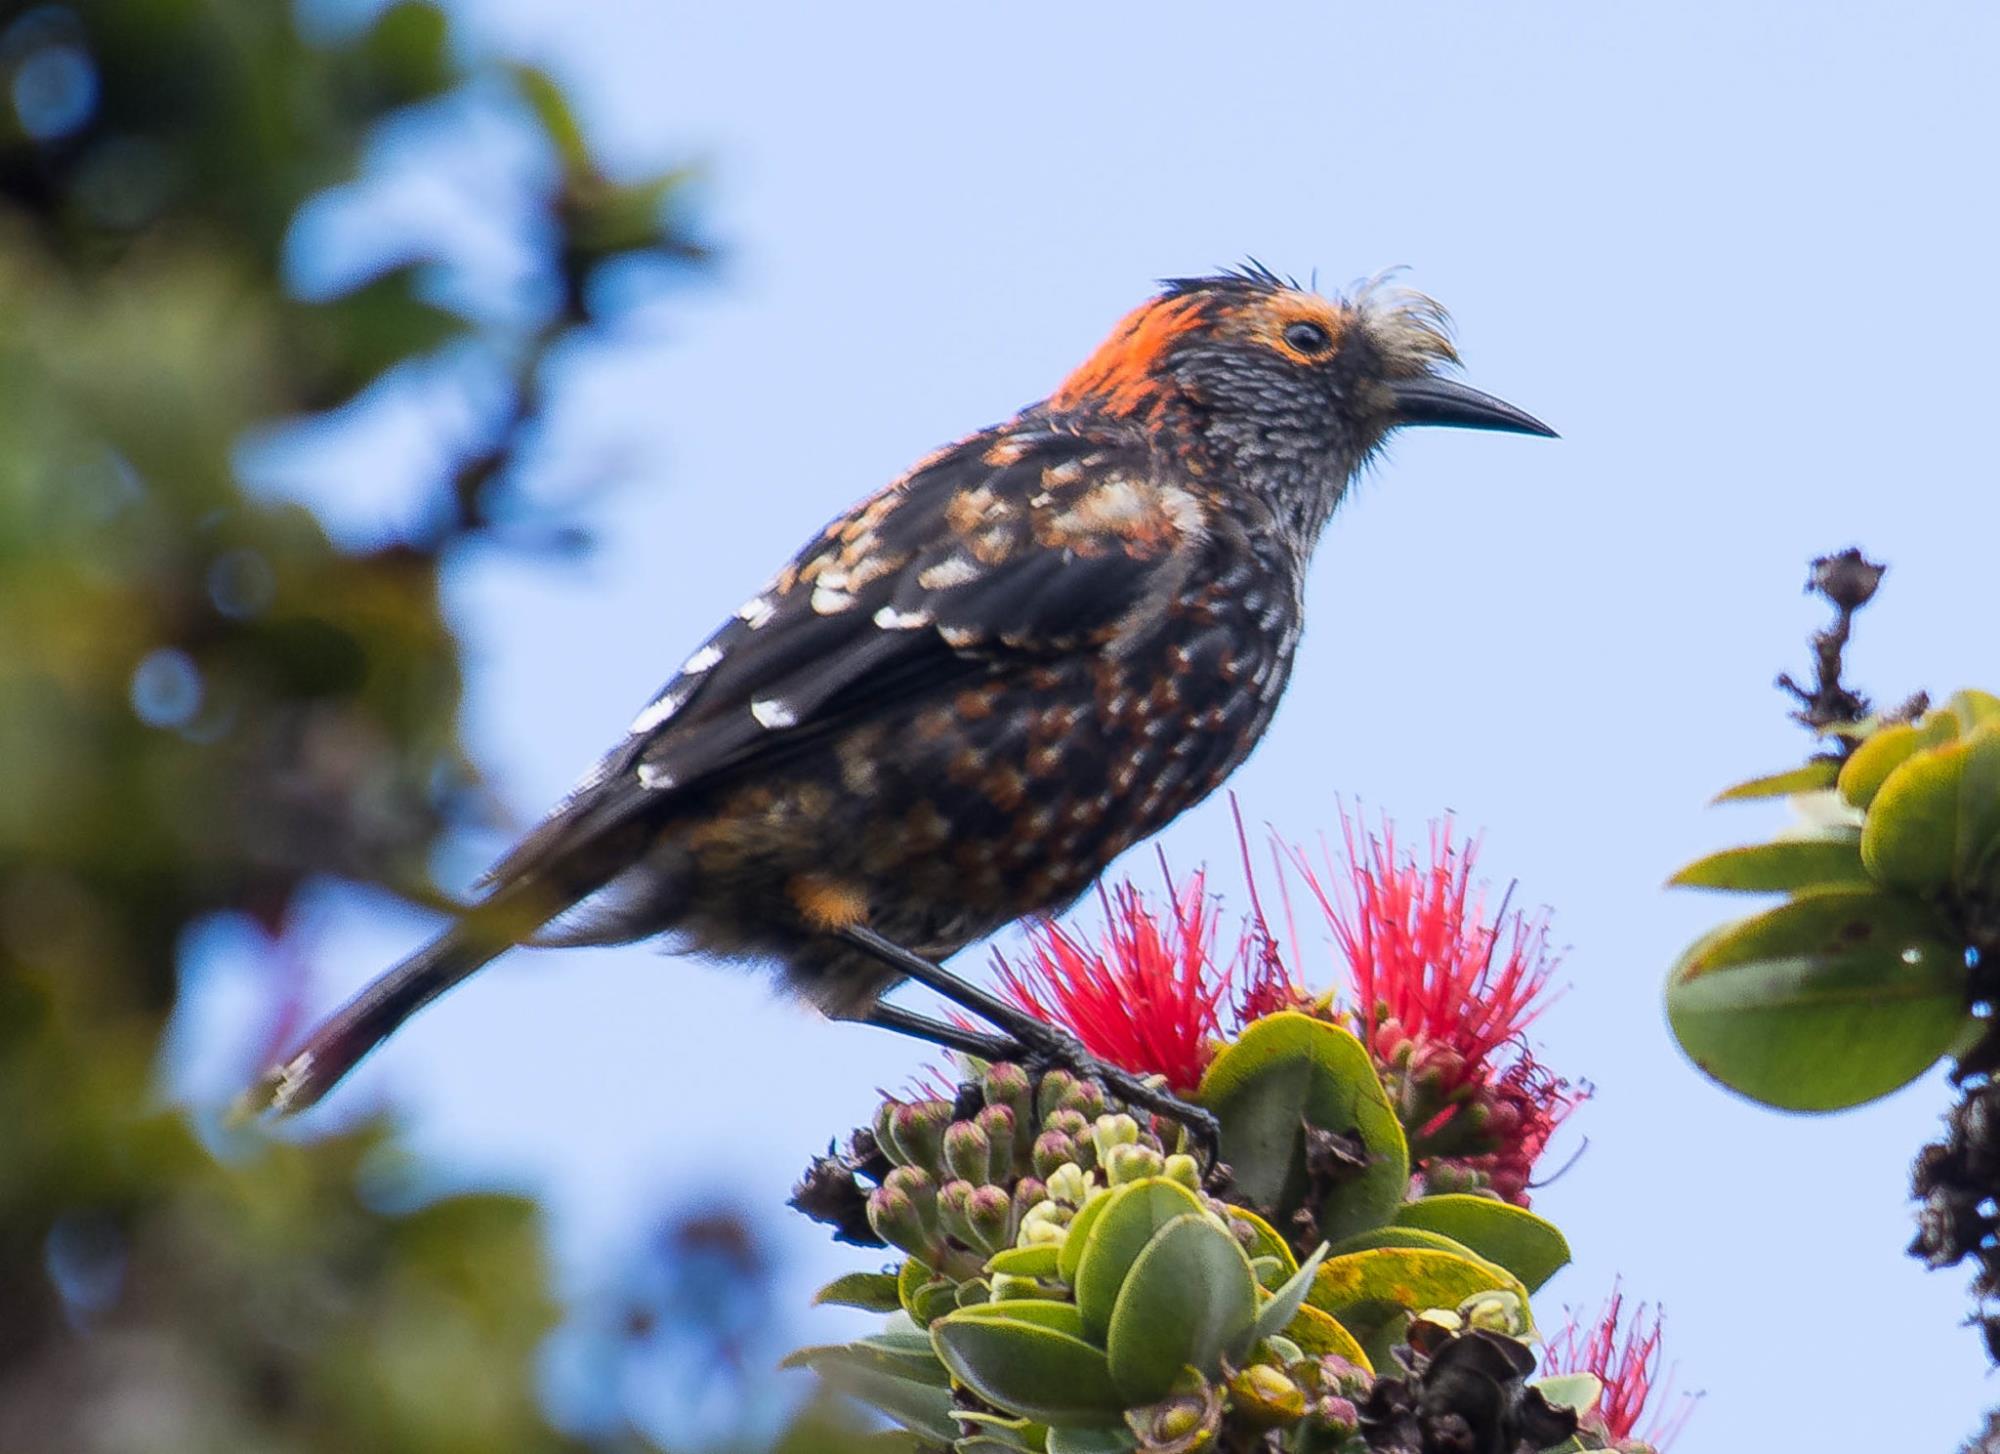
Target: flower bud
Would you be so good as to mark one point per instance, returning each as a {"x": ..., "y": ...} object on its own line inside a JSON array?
[
  {"x": 1185, "y": 1422},
  {"x": 1072, "y": 1123},
  {"x": 1007, "y": 1084},
  {"x": 1055, "y": 1092},
  {"x": 885, "y": 1132},
  {"x": 968, "y": 1154},
  {"x": 1109, "y": 1131},
  {"x": 1497, "y": 1311},
  {"x": 1132, "y": 1163},
  {"x": 990, "y": 1215},
  {"x": 953, "y": 1202},
  {"x": 998, "y": 1124},
  {"x": 918, "y": 1130},
  {"x": 1184, "y": 1169},
  {"x": 1265, "y": 1398},
  {"x": 1028, "y": 1191},
  {"x": 903, "y": 1212},
  {"x": 1070, "y": 1185},
  {"x": 1044, "y": 1224},
  {"x": 1052, "y": 1151}
]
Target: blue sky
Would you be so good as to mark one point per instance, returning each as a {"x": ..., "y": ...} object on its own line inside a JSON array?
[{"x": 1740, "y": 256}]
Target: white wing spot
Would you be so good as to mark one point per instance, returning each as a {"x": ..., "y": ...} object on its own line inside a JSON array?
[
  {"x": 830, "y": 602},
  {"x": 953, "y": 570},
  {"x": 756, "y": 611},
  {"x": 958, "y": 636},
  {"x": 890, "y": 619},
  {"x": 655, "y": 777},
  {"x": 774, "y": 714},
  {"x": 657, "y": 711},
  {"x": 701, "y": 661}
]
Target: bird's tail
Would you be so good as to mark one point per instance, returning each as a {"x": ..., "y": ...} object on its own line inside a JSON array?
[{"x": 333, "y": 1049}]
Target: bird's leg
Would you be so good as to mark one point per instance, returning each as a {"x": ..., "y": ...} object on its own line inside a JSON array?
[
  {"x": 940, "y": 1032},
  {"x": 1036, "y": 1039}
]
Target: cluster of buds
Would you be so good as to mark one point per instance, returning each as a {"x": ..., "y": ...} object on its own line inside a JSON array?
[{"x": 1008, "y": 1164}]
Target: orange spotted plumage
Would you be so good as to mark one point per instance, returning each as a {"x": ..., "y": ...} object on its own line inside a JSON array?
[{"x": 968, "y": 694}]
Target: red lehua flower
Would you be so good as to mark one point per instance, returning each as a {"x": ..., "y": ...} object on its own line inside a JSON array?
[
  {"x": 1422, "y": 952},
  {"x": 1147, "y": 999},
  {"x": 1625, "y": 1357},
  {"x": 1443, "y": 995}
]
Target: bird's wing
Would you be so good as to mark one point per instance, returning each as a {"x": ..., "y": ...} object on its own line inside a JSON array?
[{"x": 1015, "y": 544}]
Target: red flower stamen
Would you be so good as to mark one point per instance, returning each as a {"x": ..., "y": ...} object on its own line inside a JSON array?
[
  {"x": 1626, "y": 1358},
  {"x": 1421, "y": 951},
  {"x": 1148, "y": 999}
]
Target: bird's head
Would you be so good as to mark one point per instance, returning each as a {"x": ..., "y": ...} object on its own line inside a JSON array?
[{"x": 1289, "y": 390}]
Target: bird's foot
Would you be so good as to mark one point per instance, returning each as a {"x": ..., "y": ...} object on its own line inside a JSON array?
[
  {"x": 1049, "y": 1045},
  {"x": 1038, "y": 1041}
]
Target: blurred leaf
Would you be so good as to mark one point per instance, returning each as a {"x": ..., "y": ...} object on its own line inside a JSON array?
[
  {"x": 1821, "y": 1003},
  {"x": 1784, "y": 865},
  {"x": 1931, "y": 822},
  {"x": 552, "y": 112},
  {"x": 1881, "y": 754},
  {"x": 1189, "y": 1300},
  {"x": 610, "y": 218},
  {"x": 1821, "y": 772},
  {"x": 1974, "y": 708},
  {"x": 1531, "y": 1248},
  {"x": 1289, "y": 1068},
  {"x": 1265, "y": 1242}
]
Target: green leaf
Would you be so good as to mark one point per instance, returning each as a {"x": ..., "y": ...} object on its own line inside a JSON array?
[
  {"x": 1821, "y": 1003},
  {"x": 1028, "y": 1368},
  {"x": 1070, "y": 1253},
  {"x": 1116, "y": 1236},
  {"x": 1931, "y": 822},
  {"x": 1278, "y": 1309},
  {"x": 1879, "y": 755},
  {"x": 1319, "y": 1333},
  {"x": 1290, "y": 1067},
  {"x": 1038, "y": 1261},
  {"x": 1042, "y": 1312},
  {"x": 1107, "y": 1440},
  {"x": 1976, "y": 870},
  {"x": 1579, "y": 1391},
  {"x": 923, "y": 1294},
  {"x": 1189, "y": 1299},
  {"x": 875, "y": 1291},
  {"x": 1819, "y": 773},
  {"x": 1974, "y": 708},
  {"x": 611, "y": 219},
  {"x": 1526, "y": 1245},
  {"x": 1409, "y": 1278},
  {"x": 1784, "y": 865},
  {"x": 551, "y": 108}
]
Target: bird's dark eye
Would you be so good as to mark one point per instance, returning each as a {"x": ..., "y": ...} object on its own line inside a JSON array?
[{"x": 1309, "y": 339}]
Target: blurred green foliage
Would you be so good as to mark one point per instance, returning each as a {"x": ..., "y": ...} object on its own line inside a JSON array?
[{"x": 206, "y": 705}]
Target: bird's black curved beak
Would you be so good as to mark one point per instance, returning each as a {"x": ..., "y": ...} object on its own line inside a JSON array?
[{"x": 1434, "y": 400}]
